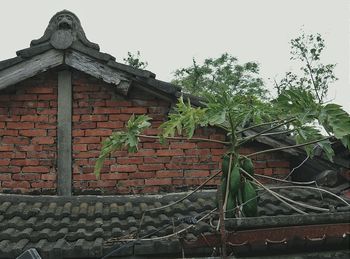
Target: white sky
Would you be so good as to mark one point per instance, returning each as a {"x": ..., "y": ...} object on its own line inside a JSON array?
[{"x": 170, "y": 33}]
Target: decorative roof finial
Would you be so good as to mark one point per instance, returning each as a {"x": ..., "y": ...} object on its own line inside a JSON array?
[{"x": 64, "y": 28}]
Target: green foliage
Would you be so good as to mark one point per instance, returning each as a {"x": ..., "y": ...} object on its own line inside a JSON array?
[
  {"x": 221, "y": 74},
  {"x": 316, "y": 77},
  {"x": 123, "y": 139},
  {"x": 184, "y": 120},
  {"x": 234, "y": 100},
  {"x": 134, "y": 60}
]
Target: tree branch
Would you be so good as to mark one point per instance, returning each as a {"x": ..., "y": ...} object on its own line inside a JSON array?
[
  {"x": 265, "y": 131},
  {"x": 187, "y": 139},
  {"x": 258, "y": 125},
  {"x": 287, "y": 147}
]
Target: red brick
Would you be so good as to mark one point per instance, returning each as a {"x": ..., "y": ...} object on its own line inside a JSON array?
[
  {"x": 80, "y": 147},
  {"x": 24, "y": 97},
  {"x": 156, "y": 160},
  {"x": 130, "y": 183},
  {"x": 4, "y": 161},
  {"x": 20, "y": 125},
  {"x": 142, "y": 175},
  {"x": 48, "y": 177},
  {"x": 109, "y": 110},
  {"x": 6, "y": 148},
  {"x": 51, "y": 111},
  {"x": 9, "y": 118},
  {"x": 46, "y": 97},
  {"x": 163, "y": 181},
  {"x": 15, "y": 140},
  {"x": 16, "y": 184},
  {"x": 118, "y": 103},
  {"x": 170, "y": 152},
  {"x": 84, "y": 177},
  {"x": 119, "y": 117},
  {"x": 123, "y": 168},
  {"x": 143, "y": 152},
  {"x": 105, "y": 183},
  {"x": 81, "y": 111},
  {"x": 24, "y": 162},
  {"x": 169, "y": 173},
  {"x": 42, "y": 184},
  {"x": 33, "y": 133},
  {"x": 135, "y": 110},
  {"x": 77, "y": 133},
  {"x": 129, "y": 160},
  {"x": 22, "y": 111},
  {"x": 35, "y": 169},
  {"x": 277, "y": 163},
  {"x": 87, "y": 140},
  {"x": 182, "y": 145},
  {"x": 43, "y": 140},
  {"x": 5, "y": 177},
  {"x": 151, "y": 167},
  {"x": 196, "y": 173},
  {"x": 26, "y": 177},
  {"x": 40, "y": 90},
  {"x": 98, "y": 132},
  {"x": 10, "y": 169},
  {"x": 35, "y": 118},
  {"x": 84, "y": 125},
  {"x": 4, "y": 132},
  {"x": 94, "y": 118},
  {"x": 87, "y": 154},
  {"x": 115, "y": 176},
  {"x": 110, "y": 124}
]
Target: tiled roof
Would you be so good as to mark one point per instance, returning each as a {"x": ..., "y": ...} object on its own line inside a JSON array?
[{"x": 90, "y": 226}]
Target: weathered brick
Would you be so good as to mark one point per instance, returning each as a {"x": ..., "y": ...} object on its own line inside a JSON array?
[
  {"x": 43, "y": 140},
  {"x": 170, "y": 152},
  {"x": 43, "y": 184},
  {"x": 84, "y": 177},
  {"x": 151, "y": 167},
  {"x": 123, "y": 168},
  {"x": 104, "y": 110},
  {"x": 87, "y": 140},
  {"x": 163, "y": 181},
  {"x": 35, "y": 169},
  {"x": 135, "y": 110},
  {"x": 33, "y": 133},
  {"x": 98, "y": 132},
  {"x": 27, "y": 177},
  {"x": 129, "y": 160},
  {"x": 110, "y": 124},
  {"x": 94, "y": 118},
  {"x": 20, "y": 125},
  {"x": 114, "y": 176}
]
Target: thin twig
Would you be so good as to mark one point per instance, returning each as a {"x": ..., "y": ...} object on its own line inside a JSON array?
[
  {"x": 284, "y": 181},
  {"x": 258, "y": 125},
  {"x": 287, "y": 147},
  {"x": 312, "y": 188},
  {"x": 185, "y": 197},
  {"x": 245, "y": 140},
  {"x": 187, "y": 139},
  {"x": 173, "y": 234},
  {"x": 272, "y": 193}
]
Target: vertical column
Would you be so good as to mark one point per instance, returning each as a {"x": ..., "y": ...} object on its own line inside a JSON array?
[{"x": 64, "y": 134}]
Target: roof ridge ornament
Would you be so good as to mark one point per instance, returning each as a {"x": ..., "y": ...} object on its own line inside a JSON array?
[{"x": 64, "y": 28}]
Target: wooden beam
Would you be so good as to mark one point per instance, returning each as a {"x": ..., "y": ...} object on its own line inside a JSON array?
[
  {"x": 30, "y": 68},
  {"x": 64, "y": 134},
  {"x": 90, "y": 66}
]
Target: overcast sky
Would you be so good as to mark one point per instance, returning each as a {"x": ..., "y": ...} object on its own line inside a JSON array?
[{"x": 170, "y": 33}]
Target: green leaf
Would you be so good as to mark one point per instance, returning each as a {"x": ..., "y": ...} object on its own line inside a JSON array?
[{"x": 250, "y": 209}]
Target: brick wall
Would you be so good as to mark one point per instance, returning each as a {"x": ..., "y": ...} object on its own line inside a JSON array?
[
  {"x": 28, "y": 115},
  {"x": 28, "y": 147},
  {"x": 174, "y": 166}
]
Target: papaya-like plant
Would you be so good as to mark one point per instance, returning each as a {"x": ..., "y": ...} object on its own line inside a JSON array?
[{"x": 297, "y": 111}]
